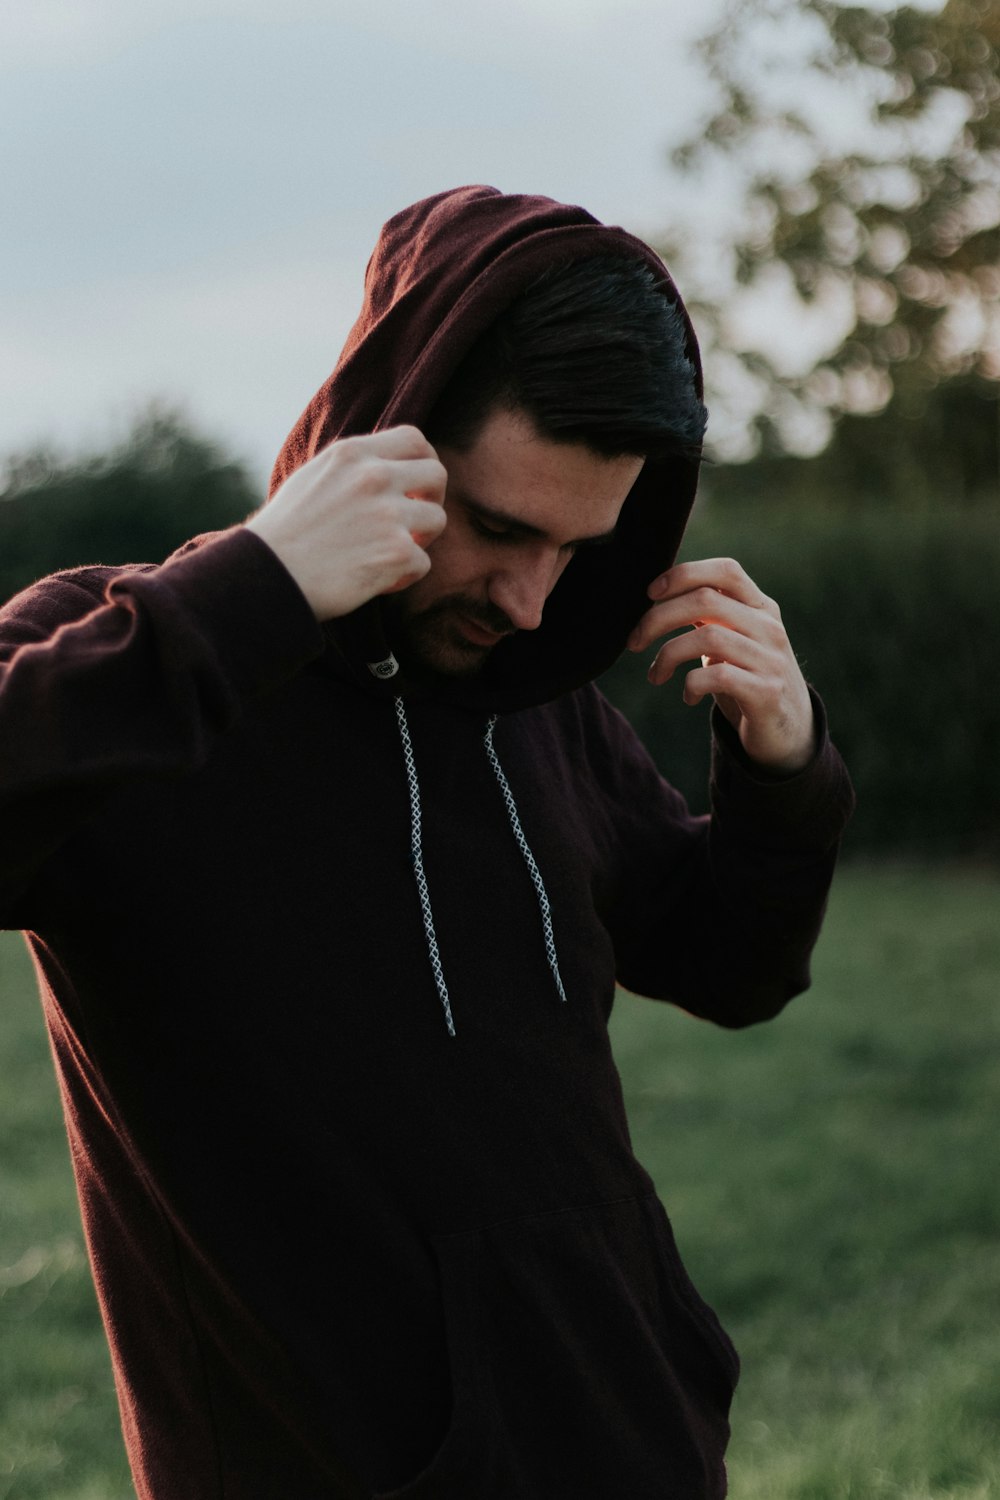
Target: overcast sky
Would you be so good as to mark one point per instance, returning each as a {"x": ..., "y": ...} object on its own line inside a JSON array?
[{"x": 192, "y": 187}]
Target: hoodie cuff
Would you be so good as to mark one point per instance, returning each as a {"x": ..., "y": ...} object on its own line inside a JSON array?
[
  {"x": 232, "y": 598},
  {"x": 807, "y": 810}
]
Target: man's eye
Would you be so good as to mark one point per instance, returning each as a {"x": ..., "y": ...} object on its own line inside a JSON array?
[{"x": 493, "y": 533}]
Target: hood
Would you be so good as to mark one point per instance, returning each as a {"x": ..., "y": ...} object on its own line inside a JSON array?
[{"x": 442, "y": 271}]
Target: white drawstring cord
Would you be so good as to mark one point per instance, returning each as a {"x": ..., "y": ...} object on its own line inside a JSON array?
[
  {"x": 417, "y": 856},
  {"x": 529, "y": 859}
]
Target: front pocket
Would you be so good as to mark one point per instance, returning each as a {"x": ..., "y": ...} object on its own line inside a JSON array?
[
  {"x": 465, "y": 1466},
  {"x": 608, "y": 1381},
  {"x": 583, "y": 1362}
]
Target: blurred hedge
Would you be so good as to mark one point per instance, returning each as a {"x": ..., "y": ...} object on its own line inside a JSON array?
[
  {"x": 162, "y": 484},
  {"x": 895, "y": 619}
]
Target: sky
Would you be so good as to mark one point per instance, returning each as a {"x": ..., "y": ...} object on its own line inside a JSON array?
[{"x": 193, "y": 187}]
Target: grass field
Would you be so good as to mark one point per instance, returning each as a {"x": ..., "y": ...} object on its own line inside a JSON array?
[{"x": 832, "y": 1177}]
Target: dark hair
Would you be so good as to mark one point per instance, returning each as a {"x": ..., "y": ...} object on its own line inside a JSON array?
[{"x": 592, "y": 351}]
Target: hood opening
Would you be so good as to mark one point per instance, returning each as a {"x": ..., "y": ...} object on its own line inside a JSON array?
[{"x": 443, "y": 270}]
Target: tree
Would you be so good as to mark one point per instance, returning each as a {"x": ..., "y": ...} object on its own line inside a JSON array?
[
  {"x": 160, "y": 485},
  {"x": 861, "y": 149}
]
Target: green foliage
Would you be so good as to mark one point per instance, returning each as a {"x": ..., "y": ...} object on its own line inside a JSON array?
[
  {"x": 892, "y": 223},
  {"x": 153, "y": 491},
  {"x": 909, "y": 461},
  {"x": 831, "y": 1178},
  {"x": 893, "y": 615}
]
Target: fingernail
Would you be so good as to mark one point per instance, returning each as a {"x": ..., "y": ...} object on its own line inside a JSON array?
[{"x": 657, "y": 587}]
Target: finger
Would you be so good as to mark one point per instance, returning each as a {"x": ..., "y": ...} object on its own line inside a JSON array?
[
  {"x": 703, "y": 606},
  {"x": 400, "y": 442},
  {"x": 404, "y": 582},
  {"x": 422, "y": 477},
  {"x": 424, "y": 520},
  {"x": 724, "y": 679},
  {"x": 418, "y": 568},
  {"x": 716, "y": 642},
  {"x": 724, "y": 574}
]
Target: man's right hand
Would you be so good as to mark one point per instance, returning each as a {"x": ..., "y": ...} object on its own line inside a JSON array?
[{"x": 353, "y": 521}]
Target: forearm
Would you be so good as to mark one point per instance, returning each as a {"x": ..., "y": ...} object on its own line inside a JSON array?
[
  {"x": 98, "y": 688},
  {"x": 727, "y": 927}
]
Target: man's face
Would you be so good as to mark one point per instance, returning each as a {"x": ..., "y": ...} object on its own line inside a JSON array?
[{"x": 518, "y": 507}]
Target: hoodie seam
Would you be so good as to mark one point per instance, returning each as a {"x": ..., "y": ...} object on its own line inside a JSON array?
[{"x": 211, "y": 1420}]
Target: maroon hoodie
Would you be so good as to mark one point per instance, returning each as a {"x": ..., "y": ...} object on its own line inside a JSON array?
[{"x": 357, "y": 1183}]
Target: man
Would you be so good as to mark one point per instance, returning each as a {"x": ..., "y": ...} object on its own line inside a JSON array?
[{"x": 330, "y": 854}]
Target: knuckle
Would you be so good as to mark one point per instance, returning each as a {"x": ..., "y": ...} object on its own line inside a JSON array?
[
  {"x": 398, "y": 551},
  {"x": 374, "y": 477},
  {"x": 345, "y": 450},
  {"x": 412, "y": 440},
  {"x": 427, "y": 509}
]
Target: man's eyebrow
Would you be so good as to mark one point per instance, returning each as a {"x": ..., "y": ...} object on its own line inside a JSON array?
[{"x": 524, "y": 528}]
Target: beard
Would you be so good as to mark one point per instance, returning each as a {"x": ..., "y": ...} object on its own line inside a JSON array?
[{"x": 431, "y": 642}]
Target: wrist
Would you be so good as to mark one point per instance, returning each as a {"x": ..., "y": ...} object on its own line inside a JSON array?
[{"x": 263, "y": 525}]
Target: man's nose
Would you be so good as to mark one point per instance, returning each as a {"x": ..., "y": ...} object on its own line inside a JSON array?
[{"x": 522, "y": 589}]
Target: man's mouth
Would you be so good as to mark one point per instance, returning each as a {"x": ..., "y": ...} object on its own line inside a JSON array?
[{"x": 477, "y": 634}]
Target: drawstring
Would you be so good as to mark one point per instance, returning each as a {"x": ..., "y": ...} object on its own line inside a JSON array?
[
  {"x": 529, "y": 859},
  {"x": 416, "y": 854}
]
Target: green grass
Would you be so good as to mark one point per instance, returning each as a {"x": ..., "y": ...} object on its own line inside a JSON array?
[
  {"x": 59, "y": 1433},
  {"x": 832, "y": 1178},
  {"x": 833, "y": 1182}
]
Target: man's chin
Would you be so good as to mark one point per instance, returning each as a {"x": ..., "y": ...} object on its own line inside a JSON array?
[
  {"x": 442, "y": 652},
  {"x": 446, "y": 641}
]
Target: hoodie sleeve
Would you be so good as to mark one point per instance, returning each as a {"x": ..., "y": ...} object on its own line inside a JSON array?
[
  {"x": 110, "y": 675},
  {"x": 719, "y": 914}
]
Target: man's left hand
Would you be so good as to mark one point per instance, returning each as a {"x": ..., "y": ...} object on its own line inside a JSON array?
[{"x": 747, "y": 662}]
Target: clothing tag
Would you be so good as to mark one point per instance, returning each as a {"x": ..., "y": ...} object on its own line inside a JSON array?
[{"x": 383, "y": 669}]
